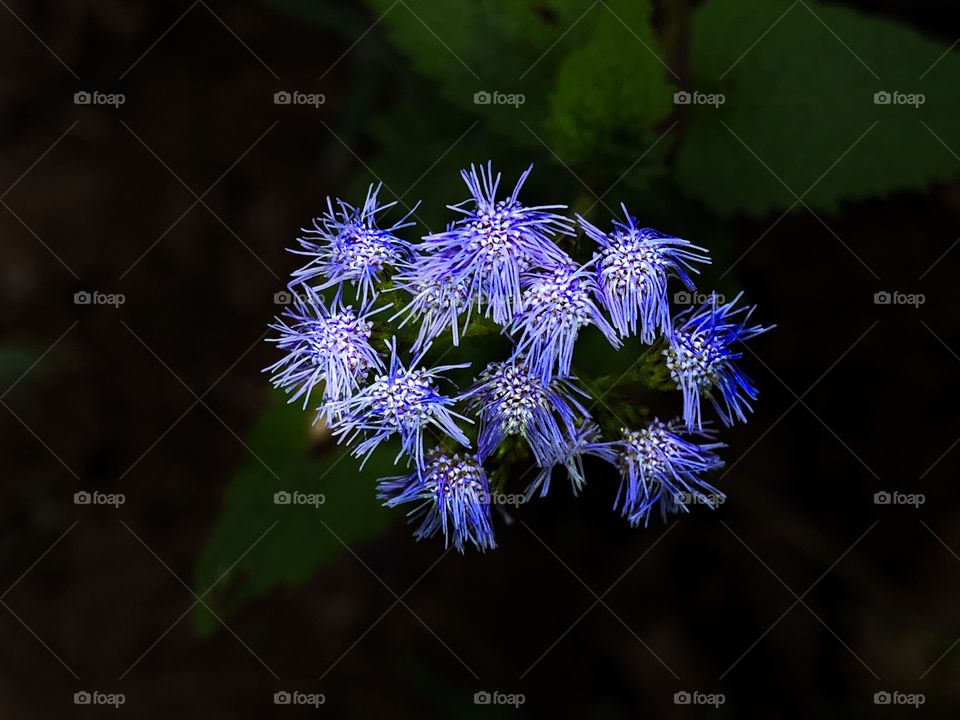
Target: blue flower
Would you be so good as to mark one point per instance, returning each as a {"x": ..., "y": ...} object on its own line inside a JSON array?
[
  {"x": 494, "y": 243},
  {"x": 404, "y": 401},
  {"x": 499, "y": 267},
  {"x": 702, "y": 360},
  {"x": 346, "y": 246},
  {"x": 437, "y": 304},
  {"x": 452, "y": 496},
  {"x": 581, "y": 442},
  {"x": 331, "y": 345},
  {"x": 633, "y": 267},
  {"x": 557, "y": 304},
  {"x": 660, "y": 470},
  {"x": 512, "y": 400}
]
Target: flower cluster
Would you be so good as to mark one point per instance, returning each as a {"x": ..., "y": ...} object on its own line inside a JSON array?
[{"x": 503, "y": 281}]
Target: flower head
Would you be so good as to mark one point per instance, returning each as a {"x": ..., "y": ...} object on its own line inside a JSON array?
[
  {"x": 494, "y": 243},
  {"x": 512, "y": 400},
  {"x": 633, "y": 267},
  {"x": 347, "y": 246},
  {"x": 582, "y": 441},
  {"x": 702, "y": 360},
  {"x": 404, "y": 401},
  {"x": 331, "y": 345},
  {"x": 557, "y": 303},
  {"x": 660, "y": 469},
  {"x": 438, "y": 302},
  {"x": 452, "y": 496}
]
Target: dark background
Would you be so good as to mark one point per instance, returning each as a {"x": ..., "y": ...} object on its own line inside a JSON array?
[{"x": 800, "y": 597}]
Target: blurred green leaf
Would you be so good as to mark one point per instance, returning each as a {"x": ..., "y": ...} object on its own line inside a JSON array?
[
  {"x": 298, "y": 543},
  {"x": 799, "y": 82},
  {"x": 611, "y": 90},
  {"x": 487, "y": 46},
  {"x": 589, "y": 73}
]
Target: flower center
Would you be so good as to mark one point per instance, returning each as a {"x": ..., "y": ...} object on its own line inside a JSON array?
[
  {"x": 444, "y": 294},
  {"x": 341, "y": 335},
  {"x": 652, "y": 449},
  {"x": 519, "y": 395},
  {"x": 404, "y": 400},
  {"x": 560, "y": 302},
  {"x": 453, "y": 477},
  {"x": 362, "y": 249},
  {"x": 694, "y": 359},
  {"x": 496, "y": 232},
  {"x": 630, "y": 261}
]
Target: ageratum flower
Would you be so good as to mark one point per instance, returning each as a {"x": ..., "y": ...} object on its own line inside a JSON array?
[
  {"x": 494, "y": 243},
  {"x": 702, "y": 360},
  {"x": 329, "y": 345},
  {"x": 437, "y": 304},
  {"x": 451, "y": 496},
  {"x": 557, "y": 304},
  {"x": 347, "y": 246},
  {"x": 660, "y": 470},
  {"x": 633, "y": 267},
  {"x": 512, "y": 400},
  {"x": 404, "y": 401},
  {"x": 581, "y": 442}
]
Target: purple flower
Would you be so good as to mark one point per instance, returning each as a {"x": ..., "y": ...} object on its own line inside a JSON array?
[
  {"x": 499, "y": 265},
  {"x": 404, "y": 401},
  {"x": 451, "y": 495},
  {"x": 660, "y": 470},
  {"x": 494, "y": 243},
  {"x": 580, "y": 442},
  {"x": 633, "y": 267},
  {"x": 512, "y": 400},
  {"x": 557, "y": 304},
  {"x": 702, "y": 361},
  {"x": 329, "y": 345},
  {"x": 347, "y": 246},
  {"x": 438, "y": 302}
]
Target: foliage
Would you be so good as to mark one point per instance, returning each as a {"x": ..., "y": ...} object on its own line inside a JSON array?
[{"x": 798, "y": 121}]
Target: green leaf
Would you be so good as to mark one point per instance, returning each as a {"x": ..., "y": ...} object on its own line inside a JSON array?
[
  {"x": 799, "y": 83},
  {"x": 486, "y": 46},
  {"x": 611, "y": 90},
  {"x": 295, "y": 542},
  {"x": 589, "y": 73}
]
